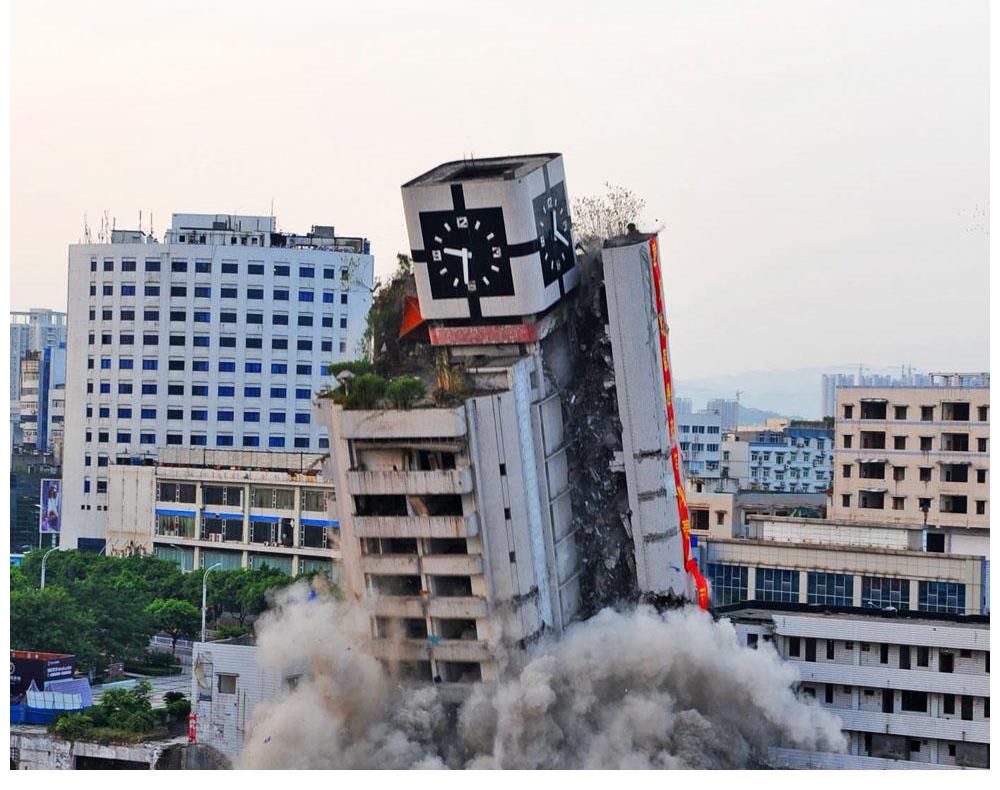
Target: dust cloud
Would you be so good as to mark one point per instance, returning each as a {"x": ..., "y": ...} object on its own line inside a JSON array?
[{"x": 629, "y": 689}]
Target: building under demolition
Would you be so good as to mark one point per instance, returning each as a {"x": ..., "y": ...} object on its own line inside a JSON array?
[{"x": 538, "y": 478}]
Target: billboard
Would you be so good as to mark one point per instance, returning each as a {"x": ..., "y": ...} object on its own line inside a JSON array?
[
  {"x": 50, "y": 516},
  {"x": 27, "y": 666}
]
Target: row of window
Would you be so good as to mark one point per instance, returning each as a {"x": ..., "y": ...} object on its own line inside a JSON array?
[
  {"x": 201, "y": 390},
  {"x": 730, "y": 585},
  {"x": 950, "y": 412},
  {"x": 950, "y": 442},
  {"x": 198, "y": 415},
  {"x": 221, "y": 440},
  {"x": 197, "y": 365},
  {"x": 205, "y": 341},
  {"x": 699, "y": 428},
  {"x": 947, "y": 503},
  {"x": 225, "y": 317},
  {"x": 227, "y": 267},
  {"x": 950, "y": 473},
  {"x": 205, "y": 292}
]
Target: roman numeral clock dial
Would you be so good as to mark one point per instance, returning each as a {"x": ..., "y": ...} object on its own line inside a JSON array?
[
  {"x": 467, "y": 253},
  {"x": 555, "y": 238}
]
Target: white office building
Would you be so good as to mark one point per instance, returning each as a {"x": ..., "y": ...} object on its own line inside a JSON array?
[
  {"x": 699, "y": 435},
  {"x": 217, "y": 337}
]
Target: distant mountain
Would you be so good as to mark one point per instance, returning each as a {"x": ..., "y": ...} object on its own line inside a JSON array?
[{"x": 767, "y": 393}]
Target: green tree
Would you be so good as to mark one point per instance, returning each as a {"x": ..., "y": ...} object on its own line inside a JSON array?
[
  {"x": 405, "y": 391},
  {"x": 50, "y": 620},
  {"x": 365, "y": 392},
  {"x": 174, "y": 617},
  {"x": 253, "y": 597}
]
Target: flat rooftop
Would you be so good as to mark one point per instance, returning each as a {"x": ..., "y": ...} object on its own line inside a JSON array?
[
  {"x": 498, "y": 168},
  {"x": 757, "y": 610}
]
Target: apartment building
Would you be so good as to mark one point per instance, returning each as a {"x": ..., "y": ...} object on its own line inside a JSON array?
[
  {"x": 918, "y": 455},
  {"x": 32, "y": 330},
  {"x": 728, "y": 410},
  {"x": 912, "y": 690},
  {"x": 42, "y": 403},
  {"x": 236, "y": 508},
  {"x": 797, "y": 458},
  {"x": 218, "y": 337},
  {"x": 699, "y": 436}
]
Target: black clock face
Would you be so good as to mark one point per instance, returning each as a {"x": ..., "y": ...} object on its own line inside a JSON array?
[
  {"x": 467, "y": 253},
  {"x": 555, "y": 238}
]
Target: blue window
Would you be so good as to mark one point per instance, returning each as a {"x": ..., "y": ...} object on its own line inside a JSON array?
[
  {"x": 175, "y": 438},
  {"x": 251, "y": 441},
  {"x": 276, "y": 441},
  {"x": 343, "y": 298},
  {"x": 202, "y": 292},
  {"x": 279, "y": 392},
  {"x": 199, "y": 415},
  {"x": 199, "y": 390},
  {"x": 124, "y": 412},
  {"x": 177, "y": 340},
  {"x": 152, "y": 266},
  {"x": 328, "y": 321},
  {"x": 105, "y": 387},
  {"x": 128, "y": 290},
  {"x": 280, "y": 294},
  {"x": 150, "y": 340},
  {"x": 175, "y": 414},
  {"x": 252, "y": 367},
  {"x": 148, "y": 414},
  {"x": 945, "y": 597},
  {"x": 127, "y": 314},
  {"x": 882, "y": 592},
  {"x": 255, "y": 268},
  {"x": 124, "y": 437},
  {"x": 327, "y": 297},
  {"x": 305, "y": 320},
  {"x": 178, "y": 315},
  {"x": 151, "y": 290},
  {"x": 777, "y": 584},
  {"x": 109, "y": 266},
  {"x": 229, "y": 293},
  {"x": 304, "y": 344},
  {"x": 150, "y": 315},
  {"x": 326, "y": 345},
  {"x": 306, "y": 296},
  {"x": 178, "y": 290},
  {"x": 198, "y": 440},
  {"x": 279, "y": 319},
  {"x": 105, "y": 363},
  {"x": 108, "y": 290},
  {"x": 200, "y": 365},
  {"x": 203, "y": 267},
  {"x": 230, "y": 268},
  {"x": 104, "y": 411},
  {"x": 281, "y": 270},
  {"x": 255, "y": 293},
  {"x": 227, "y": 366},
  {"x": 279, "y": 367},
  {"x": 329, "y": 274},
  {"x": 224, "y": 440},
  {"x": 175, "y": 389},
  {"x": 255, "y": 342},
  {"x": 829, "y": 589},
  {"x": 90, "y": 363},
  {"x": 128, "y": 266},
  {"x": 251, "y": 416},
  {"x": 277, "y": 416},
  {"x": 203, "y": 316},
  {"x": 279, "y": 342},
  {"x": 148, "y": 389},
  {"x": 227, "y": 391},
  {"x": 178, "y": 266},
  {"x": 227, "y": 342},
  {"x": 86, "y": 486},
  {"x": 147, "y": 438},
  {"x": 302, "y": 442},
  {"x": 225, "y": 318},
  {"x": 255, "y": 318},
  {"x": 307, "y": 271},
  {"x": 125, "y": 363},
  {"x": 201, "y": 341},
  {"x": 224, "y": 415},
  {"x": 251, "y": 392},
  {"x": 324, "y": 443},
  {"x": 304, "y": 370},
  {"x": 303, "y": 393},
  {"x": 302, "y": 418},
  {"x": 343, "y": 322}
]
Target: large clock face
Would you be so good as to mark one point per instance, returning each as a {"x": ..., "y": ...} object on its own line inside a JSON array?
[
  {"x": 467, "y": 254},
  {"x": 554, "y": 228}
]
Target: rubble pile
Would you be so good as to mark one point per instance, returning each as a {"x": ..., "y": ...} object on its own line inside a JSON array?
[{"x": 593, "y": 430}]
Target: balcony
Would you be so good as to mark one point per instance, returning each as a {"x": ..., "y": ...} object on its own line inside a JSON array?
[
  {"x": 425, "y": 649},
  {"x": 447, "y": 481},
  {"x": 885, "y": 676},
  {"x": 411, "y": 424},
  {"x": 416, "y": 526},
  {"x": 914, "y": 725},
  {"x": 429, "y": 564}
]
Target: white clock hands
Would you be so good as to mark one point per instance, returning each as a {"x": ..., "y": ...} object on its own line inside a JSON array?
[
  {"x": 464, "y": 254},
  {"x": 555, "y": 230}
]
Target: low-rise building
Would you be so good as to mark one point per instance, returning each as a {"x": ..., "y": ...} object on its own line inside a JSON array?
[{"x": 797, "y": 458}]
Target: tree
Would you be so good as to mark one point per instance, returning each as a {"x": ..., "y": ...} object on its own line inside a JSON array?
[
  {"x": 174, "y": 617},
  {"x": 602, "y": 217},
  {"x": 404, "y": 391},
  {"x": 50, "y": 620},
  {"x": 365, "y": 392},
  {"x": 253, "y": 597}
]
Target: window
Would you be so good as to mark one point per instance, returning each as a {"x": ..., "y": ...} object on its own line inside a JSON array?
[
  {"x": 227, "y": 366},
  {"x": 926, "y": 443},
  {"x": 108, "y": 290},
  {"x": 925, "y": 474},
  {"x": 980, "y": 475},
  {"x": 327, "y": 297},
  {"x": 251, "y": 392},
  {"x": 124, "y": 387},
  {"x": 279, "y": 367},
  {"x": 255, "y": 318},
  {"x": 150, "y": 315},
  {"x": 343, "y": 298},
  {"x": 279, "y": 343},
  {"x": 304, "y": 344},
  {"x": 302, "y": 418},
  {"x": 226, "y": 391},
  {"x": 178, "y": 290},
  {"x": 845, "y": 500},
  {"x": 829, "y": 589},
  {"x": 151, "y": 290},
  {"x": 152, "y": 266},
  {"x": 202, "y": 292},
  {"x": 307, "y": 271},
  {"x": 224, "y": 440},
  {"x": 923, "y": 656},
  {"x": 280, "y": 294},
  {"x": 729, "y": 583},
  {"x": 981, "y": 445},
  {"x": 980, "y": 507},
  {"x": 178, "y": 266},
  {"x": 794, "y": 646},
  {"x": 148, "y": 388},
  {"x": 306, "y": 296},
  {"x": 228, "y": 342},
  {"x": 252, "y": 367},
  {"x": 175, "y": 389},
  {"x": 927, "y": 413},
  {"x": 227, "y": 683},
  {"x": 251, "y": 416},
  {"x": 205, "y": 316},
  {"x": 306, "y": 370},
  {"x": 904, "y": 656},
  {"x": 128, "y": 289},
  {"x": 900, "y": 412},
  {"x": 199, "y": 390},
  {"x": 175, "y": 438},
  {"x": 255, "y": 293},
  {"x": 127, "y": 314},
  {"x": 329, "y": 274},
  {"x": 203, "y": 267},
  {"x": 277, "y": 416},
  {"x": 847, "y": 470},
  {"x": 303, "y": 393},
  {"x": 276, "y": 441},
  {"x": 148, "y": 413},
  {"x": 279, "y": 392},
  {"x": 881, "y": 592},
  {"x": 224, "y": 415},
  {"x": 255, "y": 268},
  {"x": 898, "y": 473},
  {"x": 848, "y": 438},
  {"x": 945, "y": 597},
  {"x": 198, "y": 440},
  {"x": 948, "y": 701},
  {"x": 281, "y": 270},
  {"x": 828, "y": 695},
  {"x": 777, "y": 584},
  {"x": 899, "y": 503},
  {"x": 230, "y": 268},
  {"x": 200, "y": 341},
  {"x": 301, "y": 442},
  {"x": 175, "y": 414},
  {"x": 280, "y": 319},
  {"x": 343, "y": 325},
  {"x": 327, "y": 345},
  {"x": 983, "y": 413},
  {"x": 105, "y": 388},
  {"x": 123, "y": 437},
  {"x": 228, "y": 293},
  {"x": 103, "y": 411},
  {"x": 305, "y": 320},
  {"x": 883, "y": 653},
  {"x": 251, "y": 441}
]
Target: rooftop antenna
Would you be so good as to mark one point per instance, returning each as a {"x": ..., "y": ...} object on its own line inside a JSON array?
[
  {"x": 151, "y": 222},
  {"x": 140, "y": 220}
]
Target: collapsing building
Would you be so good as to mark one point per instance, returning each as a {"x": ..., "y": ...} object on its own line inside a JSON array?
[{"x": 540, "y": 481}]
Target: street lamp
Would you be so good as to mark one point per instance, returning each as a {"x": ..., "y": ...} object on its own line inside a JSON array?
[
  {"x": 204, "y": 595},
  {"x": 45, "y": 556}
]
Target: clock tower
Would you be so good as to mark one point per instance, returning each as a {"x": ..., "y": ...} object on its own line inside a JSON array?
[{"x": 491, "y": 239}]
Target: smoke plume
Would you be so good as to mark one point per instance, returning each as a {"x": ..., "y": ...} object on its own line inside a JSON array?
[{"x": 621, "y": 690}]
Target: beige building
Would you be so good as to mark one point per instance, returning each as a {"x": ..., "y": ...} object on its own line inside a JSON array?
[{"x": 917, "y": 455}]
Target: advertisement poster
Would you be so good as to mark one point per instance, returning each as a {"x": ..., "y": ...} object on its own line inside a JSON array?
[{"x": 50, "y": 517}]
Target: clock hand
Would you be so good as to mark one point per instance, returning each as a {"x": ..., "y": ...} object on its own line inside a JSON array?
[
  {"x": 555, "y": 230},
  {"x": 457, "y": 253}
]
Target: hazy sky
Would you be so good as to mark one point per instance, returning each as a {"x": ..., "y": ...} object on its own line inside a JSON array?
[{"x": 820, "y": 167}]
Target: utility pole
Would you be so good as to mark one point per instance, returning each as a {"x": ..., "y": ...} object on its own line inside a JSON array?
[{"x": 204, "y": 595}]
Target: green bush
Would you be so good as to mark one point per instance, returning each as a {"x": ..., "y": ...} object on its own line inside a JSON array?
[
  {"x": 72, "y": 726},
  {"x": 178, "y": 710},
  {"x": 158, "y": 658},
  {"x": 358, "y": 367},
  {"x": 230, "y": 631},
  {"x": 365, "y": 392},
  {"x": 405, "y": 391}
]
